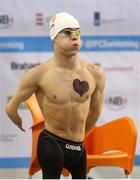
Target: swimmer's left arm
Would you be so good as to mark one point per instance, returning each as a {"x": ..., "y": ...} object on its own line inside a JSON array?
[{"x": 96, "y": 102}]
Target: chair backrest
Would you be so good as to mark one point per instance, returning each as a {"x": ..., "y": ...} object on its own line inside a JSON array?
[
  {"x": 37, "y": 127},
  {"x": 34, "y": 108},
  {"x": 119, "y": 134}
]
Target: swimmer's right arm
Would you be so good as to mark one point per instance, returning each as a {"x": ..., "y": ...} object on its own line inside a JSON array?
[{"x": 28, "y": 85}]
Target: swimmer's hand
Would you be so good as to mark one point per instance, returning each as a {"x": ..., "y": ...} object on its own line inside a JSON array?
[
  {"x": 13, "y": 115},
  {"x": 19, "y": 124}
]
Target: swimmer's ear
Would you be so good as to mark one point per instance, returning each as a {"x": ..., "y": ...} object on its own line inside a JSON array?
[{"x": 55, "y": 39}]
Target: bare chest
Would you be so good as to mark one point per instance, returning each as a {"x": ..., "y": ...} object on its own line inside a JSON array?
[{"x": 62, "y": 87}]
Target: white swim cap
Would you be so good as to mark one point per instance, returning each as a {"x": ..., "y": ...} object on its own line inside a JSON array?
[{"x": 61, "y": 21}]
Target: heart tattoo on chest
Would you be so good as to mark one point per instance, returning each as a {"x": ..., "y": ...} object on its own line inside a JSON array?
[{"x": 80, "y": 87}]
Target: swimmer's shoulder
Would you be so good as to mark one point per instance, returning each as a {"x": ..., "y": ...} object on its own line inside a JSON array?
[
  {"x": 42, "y": 68},
  {"x": 39, "y": 70},
  {"x": 95, "y": 70}
]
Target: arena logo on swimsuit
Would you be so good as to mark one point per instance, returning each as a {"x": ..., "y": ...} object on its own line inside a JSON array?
[{"x": 72, "y": 147}]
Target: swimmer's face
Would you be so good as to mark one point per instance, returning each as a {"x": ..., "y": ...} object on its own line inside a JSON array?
[{"x": 68, "y": 40}]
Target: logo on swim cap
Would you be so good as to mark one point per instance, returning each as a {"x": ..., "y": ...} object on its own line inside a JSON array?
[
  {"x": 61, "y": 21},
  {"x": 52, "y": 21}
]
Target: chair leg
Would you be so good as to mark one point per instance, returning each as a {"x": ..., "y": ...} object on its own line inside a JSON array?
[
  {"x": 89, "y": 177},
  {"x": 127, "y": 176},
  {"x": 30, "y": 177}
]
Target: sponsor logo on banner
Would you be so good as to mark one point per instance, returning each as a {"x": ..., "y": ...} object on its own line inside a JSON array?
[
  {"x": 22, "y": 66},
  {"x": 12, "y": 45},
  {"x": 39, "y": 19},
  {"x": 119, "y": 69},
  {"x": 98, "y": 19},
  {"x": 6, "y": 19},
  {"x": 26, "y": 44},
  {"x": 4, "y": 137},
  {"x": 110, "y": 43},
  {"x": 116, "y": 101}
]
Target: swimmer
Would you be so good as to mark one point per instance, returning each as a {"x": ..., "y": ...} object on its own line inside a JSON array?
[{"x": 69, "y": 91}]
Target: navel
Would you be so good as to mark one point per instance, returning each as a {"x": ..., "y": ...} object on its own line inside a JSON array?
[{"x": 54, "y": 96}]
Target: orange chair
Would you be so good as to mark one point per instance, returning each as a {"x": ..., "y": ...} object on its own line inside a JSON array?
[
  {"x": 112, "y": 144},
  {"x": 118, "y": 135}
]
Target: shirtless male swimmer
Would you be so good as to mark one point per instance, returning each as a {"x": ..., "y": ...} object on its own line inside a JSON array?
[{"x": 70, "y": 94}]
